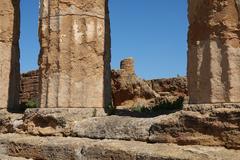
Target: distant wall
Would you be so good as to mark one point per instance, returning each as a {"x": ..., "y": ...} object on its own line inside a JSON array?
[
  {"x": 29, "y": 89},
  {"x": 29, "y": 86},
  {"x": 175, "y": 86}
]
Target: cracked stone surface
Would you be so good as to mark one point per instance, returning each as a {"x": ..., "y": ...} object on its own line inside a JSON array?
[
  {"x": 207, "y": 125},
  {"x": 9, "y": 51},
  {"x": 61, "y": 148},
  {"x": 214, "y": 51},
  {"x": 75, "y": 54}
]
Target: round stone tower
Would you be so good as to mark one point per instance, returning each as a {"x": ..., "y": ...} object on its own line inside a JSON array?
[{"x": 128, "y": 65}]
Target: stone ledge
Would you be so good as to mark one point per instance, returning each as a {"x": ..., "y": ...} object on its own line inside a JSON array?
[
  {"x": 6, "y": 157},
  {"x": 62, "y": 148},
  {"x": 69, "y": 114},
  {"x": 210, "y": 107},
  {"x": 217, "y": 126}
]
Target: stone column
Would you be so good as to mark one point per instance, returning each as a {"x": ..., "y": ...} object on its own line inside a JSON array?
[
  {"x": 128, "y": 65},
  {"x": 9, "y": 54},
  {"x": 75, "y": 54},
  {"x": 214, "y": 51}
]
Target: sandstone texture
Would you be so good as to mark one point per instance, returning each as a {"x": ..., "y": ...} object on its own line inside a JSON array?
[
  {"x": 75, "y": 54},
  {"x": 214, "y": 51},
  {"x": 129, "y": 90},
  {"x": 9, "y": 50},
  {"x": 29, "y": 87},
  {"x": 206, "y": 125},
  {"x": 46, "y": 121},
  {"x": 55, "y": 121},
  {"x": 60, "y": 148},
  {"x": 6, "y": 157},
  {"x": 170, "y": 86},
  {"x": 10, "y": 122}
]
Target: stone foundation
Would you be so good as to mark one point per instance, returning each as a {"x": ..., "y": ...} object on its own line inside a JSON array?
[
  {"x": 59, "y": 148},
  {"x": 197, "y": 132}
]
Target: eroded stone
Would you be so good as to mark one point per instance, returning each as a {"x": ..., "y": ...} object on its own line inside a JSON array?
[
  {"x": 61, "y": 148},
  {"x": 9, "y": 50},
  {"x": 75, "y": 54},
  {"x": 214, "y": 51}
]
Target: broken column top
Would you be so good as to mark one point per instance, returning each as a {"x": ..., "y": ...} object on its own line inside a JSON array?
[{"x": 128, "y": 65}]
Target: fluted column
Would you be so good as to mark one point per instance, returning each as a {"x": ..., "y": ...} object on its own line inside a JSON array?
[
  {"x": 75, "y": 53},
  {"x": 214, "y": 51},
  {"x": 9, "y": 54}
]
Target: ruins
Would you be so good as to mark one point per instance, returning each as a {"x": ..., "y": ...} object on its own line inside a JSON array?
[
  {"x": 75, "y": 87},
  {"x": 29, "y": 87},
  {"x": 75, "y": 53},
  {"x": 145, "y": 94},
  {"x": 129, "y": 90},
  {"x": 214, "y": 51},
  {"x": 128, "y": 65}
]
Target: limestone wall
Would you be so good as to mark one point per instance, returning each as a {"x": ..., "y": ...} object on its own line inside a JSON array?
[
  {"x": 75, "y": 53},
  {"x": 29, "y": 86},
  {"x": 9, "y": 54}
]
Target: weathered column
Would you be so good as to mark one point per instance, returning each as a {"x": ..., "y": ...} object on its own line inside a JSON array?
[
  {"x": 9, "y": 54},
  {"x": 214, "y": 51},
  {"x": 75, "y": 53},
  {"x": 128, "y": 65}
]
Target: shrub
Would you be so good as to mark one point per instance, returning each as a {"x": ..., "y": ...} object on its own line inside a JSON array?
[
  {"x": 94, "y": 113},
  {"x": 162, "y": 106},
  {"x": 110, "y": 110},
  {"x": 32, "y": 104}
]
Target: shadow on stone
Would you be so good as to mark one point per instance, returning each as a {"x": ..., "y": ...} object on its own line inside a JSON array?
[
  {"x": 150, "y": 114},
  {"x": 163, "y": 108}
]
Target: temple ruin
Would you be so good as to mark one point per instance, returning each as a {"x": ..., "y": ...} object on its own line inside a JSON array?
[
  {"x": 76, "y": 51},
  {"x": 75, "y": 89}
]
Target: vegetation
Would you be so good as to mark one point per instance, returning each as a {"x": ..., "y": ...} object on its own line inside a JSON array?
[
  {"x": 94, "y": 113},
  {"x": 32, "y": 104},
  {"x": 162, "y": 106},
  {"x": 110, "y": 110}
]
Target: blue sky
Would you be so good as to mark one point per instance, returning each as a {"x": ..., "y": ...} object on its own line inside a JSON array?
[{"x": 154, "y": 32}]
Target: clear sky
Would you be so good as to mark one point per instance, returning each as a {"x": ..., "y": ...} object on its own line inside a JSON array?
[{"x": 153, "y": 32}]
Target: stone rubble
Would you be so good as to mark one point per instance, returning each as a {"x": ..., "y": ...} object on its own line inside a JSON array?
[{"x": 128, "y": 90}]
